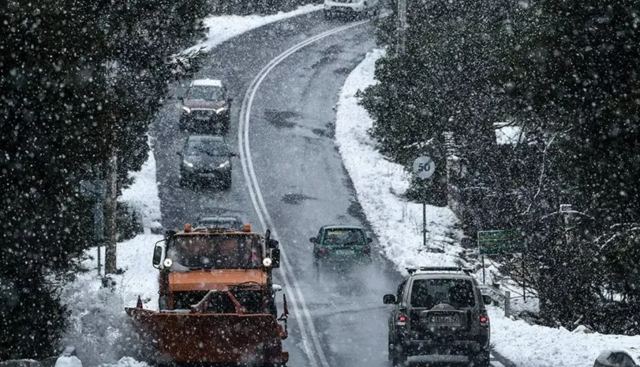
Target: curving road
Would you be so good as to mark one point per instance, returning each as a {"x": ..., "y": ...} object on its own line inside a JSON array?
[{"x": 290, "y": 178}]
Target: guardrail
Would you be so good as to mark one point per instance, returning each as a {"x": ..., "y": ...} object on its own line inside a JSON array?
[{"x": 499, "y": 297}]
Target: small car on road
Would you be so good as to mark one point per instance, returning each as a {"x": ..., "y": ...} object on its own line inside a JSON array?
[
  {"x": 342, "y": 243},
  {"x": 618, "y": 358},
  {"x": 206, "y": 159},
  {"x": 205, "y": 106},
  {"x": 439, "y": 315},
  {"x": 351, "y": 8}
]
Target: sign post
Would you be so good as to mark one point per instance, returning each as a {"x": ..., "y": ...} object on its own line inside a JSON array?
[
  {"x": 423, "y": 168},
  {"x": 497, "y": 242},
  {"x": 96, "y": 190}
]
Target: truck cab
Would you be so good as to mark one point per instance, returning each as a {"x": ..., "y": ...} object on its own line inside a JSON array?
[
  {"x": 196, "y": 261},
  {"x": 216, "y": 299}
]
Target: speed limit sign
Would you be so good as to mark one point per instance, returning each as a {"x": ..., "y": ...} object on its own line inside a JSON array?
[{"x": 424, "y": 167}]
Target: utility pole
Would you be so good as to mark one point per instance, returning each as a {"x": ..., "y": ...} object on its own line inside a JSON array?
[
  {"x": 111, "y": 206},
  {"x": 402, "y": 27}
]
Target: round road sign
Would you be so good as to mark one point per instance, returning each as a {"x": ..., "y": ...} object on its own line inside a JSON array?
[{"x": 424, "y": 167}]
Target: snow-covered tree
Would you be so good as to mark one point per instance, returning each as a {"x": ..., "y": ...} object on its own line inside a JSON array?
[{"x": 76, "y": 78}]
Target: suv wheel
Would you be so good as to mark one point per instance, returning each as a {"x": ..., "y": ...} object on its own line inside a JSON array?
[
  {"x": 483, "y": 359},
  {"x": 398, "y": 358}
]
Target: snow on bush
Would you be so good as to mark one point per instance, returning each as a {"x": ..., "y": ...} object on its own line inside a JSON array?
[{"x": 98, "y": 326}]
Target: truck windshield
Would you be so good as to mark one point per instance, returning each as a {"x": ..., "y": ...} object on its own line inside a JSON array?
[
  {"x": 430, "y": 292},
  {"x": 215, "y": 252}
]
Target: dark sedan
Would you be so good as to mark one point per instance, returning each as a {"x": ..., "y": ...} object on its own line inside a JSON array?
[{"x": 206, "y": 159}]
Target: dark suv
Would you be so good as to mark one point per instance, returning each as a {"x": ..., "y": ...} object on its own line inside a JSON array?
[{"x": 439, "y": 316}]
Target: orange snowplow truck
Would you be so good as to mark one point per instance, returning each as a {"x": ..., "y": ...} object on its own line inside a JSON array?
[{"x": 216, "y": 299}]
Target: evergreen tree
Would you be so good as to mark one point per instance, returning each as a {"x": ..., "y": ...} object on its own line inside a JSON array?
[
  {"x": 441, "y": 83},
  {"x": 71, "y": 73},
  {"x": 574, "y": 69}
]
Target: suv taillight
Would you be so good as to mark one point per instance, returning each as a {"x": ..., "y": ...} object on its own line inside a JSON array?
[
  {"x": 484, "y": 320},
  {"x": 402, "y": 320}
]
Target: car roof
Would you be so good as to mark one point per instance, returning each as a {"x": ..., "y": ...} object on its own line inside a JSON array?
[
  {"x": 206, "y": 82},
  {"x": 336, "y": 226},
  {"x": 220, "y": 218},
  {"x": 216, "y": 138},
  {"x": 440, "y": 275},
  {"x": 633, "y": 353}
]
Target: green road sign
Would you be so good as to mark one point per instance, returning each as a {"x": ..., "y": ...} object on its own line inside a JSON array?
[{"x": 499, "y": 242}]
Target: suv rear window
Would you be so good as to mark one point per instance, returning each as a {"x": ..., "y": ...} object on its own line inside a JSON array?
[
  {"x": 430, "y": 292},
  {"x": 343, "y": 237}
]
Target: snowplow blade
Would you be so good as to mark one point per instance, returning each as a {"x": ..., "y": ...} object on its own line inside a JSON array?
[{"x": 188, "y": 337}]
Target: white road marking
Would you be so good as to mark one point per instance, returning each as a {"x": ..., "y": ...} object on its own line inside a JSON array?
[{"x": 307, "y": 327}]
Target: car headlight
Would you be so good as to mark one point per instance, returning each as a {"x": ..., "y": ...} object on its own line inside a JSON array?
[
  {"x": 266, "y": 262},
  {"x": 220, "y": 110},
  {"x": 186, "y": 109},
  {"x": 187, "y": 163},
  {"x": 224, "y": 164},
  {"x": 167, "y": 263}
]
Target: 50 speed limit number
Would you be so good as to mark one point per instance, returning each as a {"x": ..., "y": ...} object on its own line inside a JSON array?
[{"x": 424, "y": 167}]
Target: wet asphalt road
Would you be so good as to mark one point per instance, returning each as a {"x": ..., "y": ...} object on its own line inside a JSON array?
[{"x": 301, "y": 177}]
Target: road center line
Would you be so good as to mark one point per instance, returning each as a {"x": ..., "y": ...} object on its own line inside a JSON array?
[{"x": 300, "y": 309}]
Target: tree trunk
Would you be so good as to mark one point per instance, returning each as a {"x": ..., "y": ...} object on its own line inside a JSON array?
[{"x": 110, "y": 264}]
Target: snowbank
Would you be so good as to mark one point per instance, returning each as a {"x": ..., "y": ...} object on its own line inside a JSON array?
[
  {"x": 379, "y": 185},
  {"x": 98, "y": 325},
  {"x": 143, "y": 193},
  {"x": 225, "y": 27},
  {"x": 397, "y": 223},
  {"x": 539, "y": 346}
]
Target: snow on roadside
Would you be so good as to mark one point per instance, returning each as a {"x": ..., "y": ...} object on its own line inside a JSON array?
[
  {"x": 98, "y": 325},
  {"x": 397, "y": 224},
  {"x": 225, "y": 27},
  {"x": 540, "y": 346},
  {"x": 379, "y": 185},
  {"x": 143, "y": 193}
]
